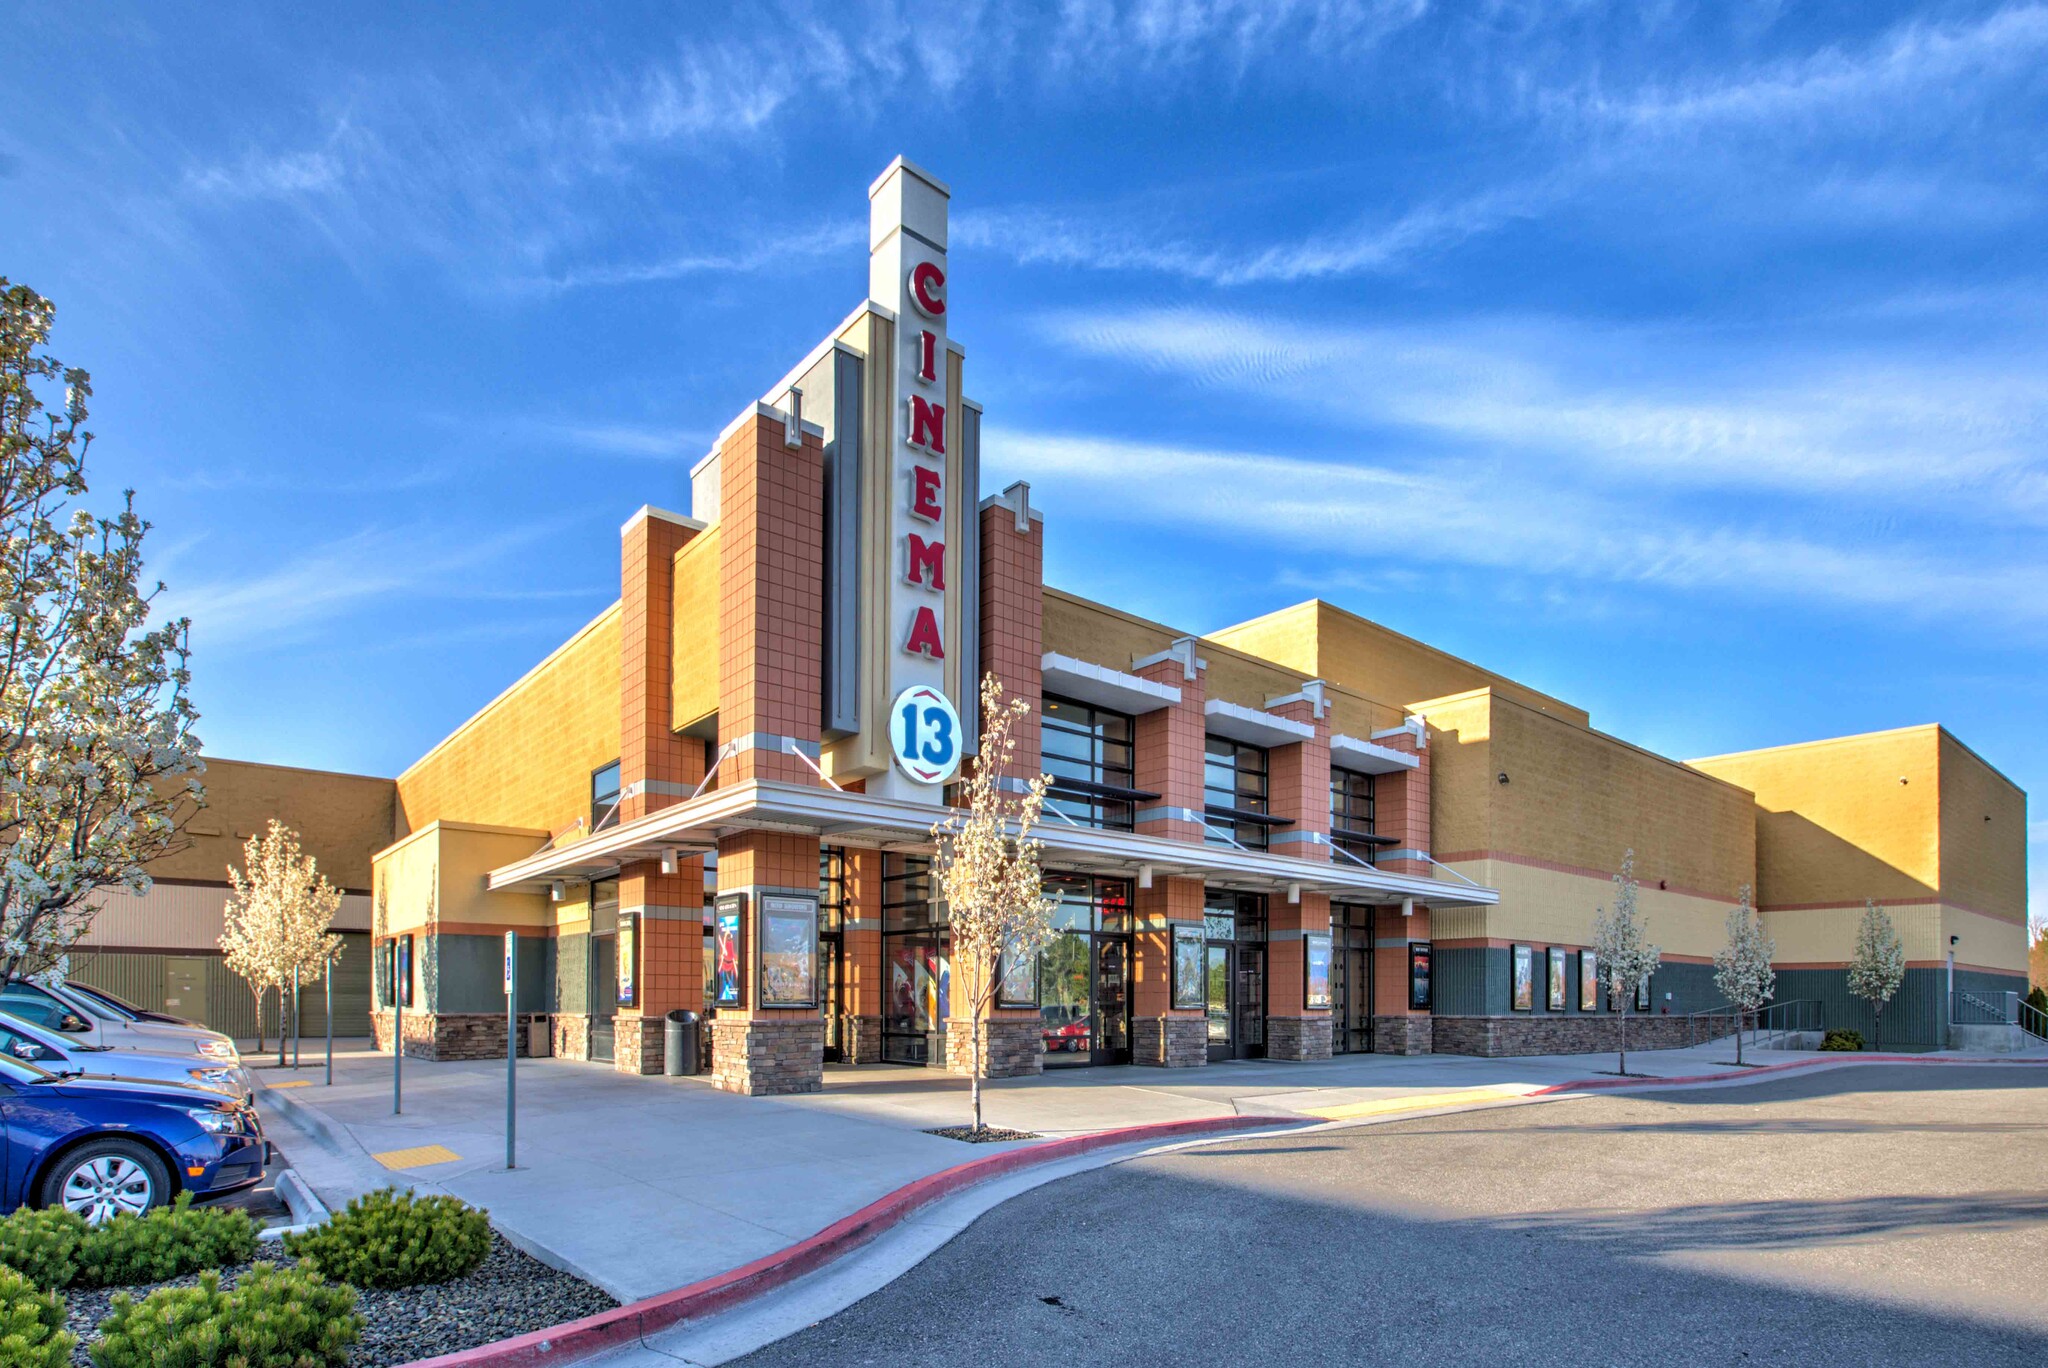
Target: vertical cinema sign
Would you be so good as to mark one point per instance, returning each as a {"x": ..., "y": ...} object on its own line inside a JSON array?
[{"x": 907, "y": 277}]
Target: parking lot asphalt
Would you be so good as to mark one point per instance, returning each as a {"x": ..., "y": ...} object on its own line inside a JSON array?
[{"x": 1892, "y": 1214}]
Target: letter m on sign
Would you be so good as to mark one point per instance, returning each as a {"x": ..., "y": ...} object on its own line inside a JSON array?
[
  {"x": 927, "y": 425},
  {"x": 927, "y": 562}
]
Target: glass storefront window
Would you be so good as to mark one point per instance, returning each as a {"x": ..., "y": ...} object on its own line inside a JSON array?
[
  {"x": 1087, "y": 749},
  {"x": 919, "y": 977},
  {"x": 604, "y": 796},
  {"x": 1353, "y": 813},
  {"x": 1084, "y": 972},
  {"x": 1234, "y": 781}
]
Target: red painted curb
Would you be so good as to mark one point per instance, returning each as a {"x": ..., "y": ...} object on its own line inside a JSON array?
[
  {"x": 1585, "y": 1084},
  {"x": 624, "y": 1324}
]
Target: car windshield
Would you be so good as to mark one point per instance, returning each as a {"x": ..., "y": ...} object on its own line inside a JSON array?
[
  {"x": 102, "y": 995},
  {"x": 87, "y": 1003}
]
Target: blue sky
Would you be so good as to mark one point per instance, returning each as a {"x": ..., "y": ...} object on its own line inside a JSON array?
[{"x": 1682, "y": 360}]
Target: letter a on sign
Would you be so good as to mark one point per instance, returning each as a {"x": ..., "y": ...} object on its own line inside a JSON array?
[{"x": 924, "y": 634}]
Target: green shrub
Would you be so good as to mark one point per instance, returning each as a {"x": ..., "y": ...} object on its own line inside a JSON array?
[
  {"x": 394, "y": 1239},
  {"x": 1842, "y": 1040},
  {"x": 168, "y": 1242},
  {"x": 274, "y": 1318},
  {"x": 32, "y": 1333},
  {"x": 42, "y": 1246}
]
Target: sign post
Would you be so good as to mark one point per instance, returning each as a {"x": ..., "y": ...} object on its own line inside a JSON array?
[
  {"x": 328, "y": 977},
  {"x": 511, "y": 1049},
  {"x": 398, "y": 972}
]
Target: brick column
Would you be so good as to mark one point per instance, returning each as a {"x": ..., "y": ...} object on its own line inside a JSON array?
[
  {"x": 1013, "y": 612},
  {"x": 770, "y": 596},
  {"x": 755, "y": 1050},
  {"x": 668, "y": 915},
  {"x": 1299, "y": 790},
  {"x": 1167, "y": 760},
  {"x": 1401, "y": 802},
  {"x": 1160, "y": 1035},
  {"x": 1012, "y": 649}
]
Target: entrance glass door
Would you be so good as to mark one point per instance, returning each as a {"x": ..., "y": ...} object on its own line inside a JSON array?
[
  {"x": 1236, "y": 927},
  {"x": 604, "y": 994},
  {"x": 1351, "y": 979},
  {"x": 1112, "y": 1024},
  {"x": 830, "y": 953}
]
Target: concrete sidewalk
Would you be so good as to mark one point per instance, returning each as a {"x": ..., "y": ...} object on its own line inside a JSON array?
[{"x": 642, "y": 1185}]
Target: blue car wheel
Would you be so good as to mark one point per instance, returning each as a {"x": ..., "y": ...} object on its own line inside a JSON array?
[{"x": 102, "y": 1179}]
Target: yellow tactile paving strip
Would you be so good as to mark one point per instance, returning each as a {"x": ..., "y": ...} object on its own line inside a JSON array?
[
  {"x": 419, "y": 1156},
  {"x": 292, "y": 1083},
  {"x": 1386, "y": 1106}
]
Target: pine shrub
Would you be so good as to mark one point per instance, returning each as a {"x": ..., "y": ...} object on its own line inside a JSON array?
[
  {"x": 32, "y": 1333},
  {"x": 273, "y": 1318},
  {"x": 1842, "y": 1040},
  {"x": 168, "y": 1242},
  {"x": 388, "y": 1238},
  {"x": 42, "y": 1246}
]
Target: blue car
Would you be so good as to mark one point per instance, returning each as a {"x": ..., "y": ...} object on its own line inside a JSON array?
[{"x": 104, "y": 1146}]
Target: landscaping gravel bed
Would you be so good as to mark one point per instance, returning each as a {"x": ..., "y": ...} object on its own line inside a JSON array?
[{"x": 509, "y": 1294}]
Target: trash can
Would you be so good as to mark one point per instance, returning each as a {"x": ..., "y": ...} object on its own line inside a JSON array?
[{"x": 679, "y": 1044}]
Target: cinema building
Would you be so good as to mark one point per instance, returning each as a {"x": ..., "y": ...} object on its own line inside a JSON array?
[{"x": 1294, "y": 837}]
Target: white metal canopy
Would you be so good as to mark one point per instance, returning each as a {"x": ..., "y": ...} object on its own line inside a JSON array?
[{"x": 868, "y": 822}]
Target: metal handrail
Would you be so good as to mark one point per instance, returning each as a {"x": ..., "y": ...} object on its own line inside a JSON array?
[
  {"x": 2033, "y": 1021},
  {"x": 1775, "y": 1019}
]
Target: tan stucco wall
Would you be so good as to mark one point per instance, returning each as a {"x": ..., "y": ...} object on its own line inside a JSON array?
[
  {"x": 450, "y": 860},
  {"x": 1983, "y": 862},
  {"x": 1576, "y": 799},
  {"x": 526, "y": 759},
  {"x": 1835, "y": 825},
  {"x": 1324, "y": 641},
  {"x": 341, "y": 819},
  {"x": 694, "y": 640},
  {"x": 1557, "y": 907}
]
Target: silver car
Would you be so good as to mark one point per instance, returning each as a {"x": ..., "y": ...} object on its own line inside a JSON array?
[
  {"x": 56, "y": 1007},
  {"x": 58, "y": 1053}
]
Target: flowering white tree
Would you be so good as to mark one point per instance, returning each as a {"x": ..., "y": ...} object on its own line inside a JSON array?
[
  {"x": 989, "y": 875},
  {"x": 1626, "y": 955},
  {"x": 99, "y": 769},
  {"x": 1879, "y": 965},
  {"x": 1742, "y": 968},
  {"x": 277, "y": 920}
]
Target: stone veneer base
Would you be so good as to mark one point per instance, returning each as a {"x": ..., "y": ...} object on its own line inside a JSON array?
[
  {"x": 860, "y": 1039},
  {"x": 1403, "y": 1035},
  {"x": 446, "y": 1035},
  {"x": 1173, "y": 1042},
  {"x": 1015, "y": 1049},
  {"x": 637, "y": 1044},
  {"x": 1503, "y": 1037},
  {"x": 1298, "y": 1039},
  {"x": 763, "y": 1058},
  {"x": 569, "y": 1033}
]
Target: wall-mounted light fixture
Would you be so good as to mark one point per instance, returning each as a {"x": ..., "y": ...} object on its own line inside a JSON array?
[
  {"x": 1502, "y": 777},
  {"x": 668, "y": 860},
  {"x": 558, "y": 890}
]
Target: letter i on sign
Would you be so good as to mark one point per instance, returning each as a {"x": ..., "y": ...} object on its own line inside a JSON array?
[{"x": 928, "y": 356}]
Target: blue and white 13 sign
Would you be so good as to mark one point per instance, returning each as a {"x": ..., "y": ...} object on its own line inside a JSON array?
[{"x": 924, "y": 733}]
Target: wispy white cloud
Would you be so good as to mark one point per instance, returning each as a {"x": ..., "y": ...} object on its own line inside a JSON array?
[
  {"x": 1916, "y": 60},
  {"x": 1648, "y": 405},
  {"x": 286, "y": 601},
  {"x": 1105, "y": 240},
  {"x": 620, "y": 439},
  {"x": 1467, "y": 513},
  {"x": 765, "y": 250}
]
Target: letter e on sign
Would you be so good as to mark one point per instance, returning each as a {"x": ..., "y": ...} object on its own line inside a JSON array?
[
  {"x": 924, "y": 734},
  {"x": 924, "y": 493}
]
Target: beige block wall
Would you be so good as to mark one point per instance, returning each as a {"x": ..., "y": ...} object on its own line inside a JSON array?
[
  {"x": 1558, "y": 907},
  {"x": 694, "y": 646},
  {"x": 1835, "y": 824},
  {"x": 341, "y": 819},
  {"x": 1578, "y": 799},
  {"x": 1983, "y": 836},
  {"x": 448, "y": 860},
  {"x": 1377, "y": 663},
  {"x": 525, "y": 760},
  {"x": 184, "y": 917}
]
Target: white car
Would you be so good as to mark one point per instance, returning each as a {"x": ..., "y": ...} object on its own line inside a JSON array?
[
  {"x": 57, "y": 1008},
  {"x": 60, "y": 1053}
]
